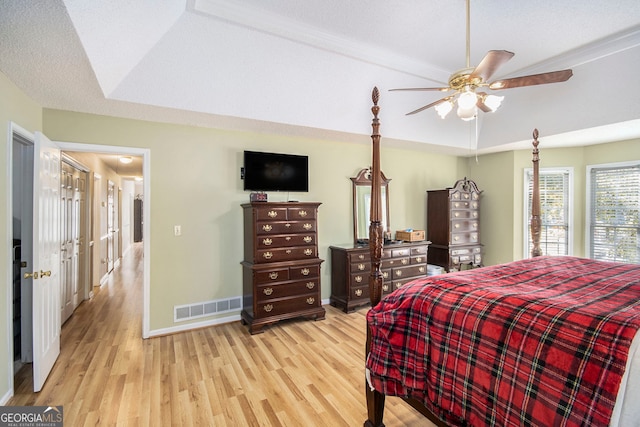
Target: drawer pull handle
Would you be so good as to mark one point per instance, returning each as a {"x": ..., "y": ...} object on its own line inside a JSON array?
[
  {"x": 267, "y": 227},
  {"x": 419, "y": 259},
  {"x": 273, "y": 275},
  {"x": 272, "y": 214},
  {"x": 308, "y": 239},
  {"x": 267, "y": 255},
  {"x": 308, "y": 252},
  {"x": 287, "y": 225},
  {"x": 311, "y": 285},
  {"x": 385, "y": 275},
  {"x": 305, "y": 271},
  {"x": 456, "y": 238},
  {"x": 268, "y": 291},
  {"x": 361, "y": 256},
  {"x": 399, "y": 273},
  {"x": 267, "y": 242},
  {"x": 405, "y": 261},
  {"x": 303, "y": 213},
  {"x": 288, "y": 251},
  {"x": 456, "y": 226},
  {"x": 421, "y": 269},
  {"x": 287, "y": 238},
  {"x": 457, "y": 214},
  {"x": 307, "y": 226},
  {"x": 358, "y": 279},
  {"x": 311, "y": 300},
  {"x": 268, "y": 307},
  {"x": 361, "y": 267},
  {"x": 398, "y": 285},
  {"x": 385, "y": 288},
  {"x": 475, "y": 225},
  {"x": 358, "y": 292}
]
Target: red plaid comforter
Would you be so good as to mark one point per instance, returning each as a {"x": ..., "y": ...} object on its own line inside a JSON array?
[{"x": 540, "y": 342}]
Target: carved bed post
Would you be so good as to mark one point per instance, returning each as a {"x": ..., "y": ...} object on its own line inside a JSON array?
[
  {"x": 375, "y": 399},
  {"x": 536, "y": 223}
]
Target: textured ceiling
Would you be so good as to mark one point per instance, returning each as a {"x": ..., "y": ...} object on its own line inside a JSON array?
[{"x": 307, "y": 68}]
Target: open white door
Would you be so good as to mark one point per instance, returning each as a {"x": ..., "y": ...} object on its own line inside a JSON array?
[{"x": 46, "y": 259}]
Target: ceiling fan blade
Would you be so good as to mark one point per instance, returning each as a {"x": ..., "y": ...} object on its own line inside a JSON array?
[
  {"x": 532, "y": 80},
  {"x": 433, "y": 104},
  {"x": 490, "y": 63},
  {"x": 440, "y": 89}
]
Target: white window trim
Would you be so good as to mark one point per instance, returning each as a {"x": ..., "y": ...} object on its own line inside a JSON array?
[
  {"x": 527, "y": 214},
  {"x": 588, "y": 202}
]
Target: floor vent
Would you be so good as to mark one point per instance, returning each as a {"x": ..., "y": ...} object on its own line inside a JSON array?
[{"x": 207, "y": 308}]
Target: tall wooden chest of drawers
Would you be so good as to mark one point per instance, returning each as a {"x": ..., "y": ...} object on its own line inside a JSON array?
[
  {"x": 281, "y": 268},
  {"x": 351, "y": 268},
  {"x": 453, "y": 226}
]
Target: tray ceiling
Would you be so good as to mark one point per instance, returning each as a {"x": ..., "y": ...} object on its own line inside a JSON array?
[{"x": 308, "y": 68}]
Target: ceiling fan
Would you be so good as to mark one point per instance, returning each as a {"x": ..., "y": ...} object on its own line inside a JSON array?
[{"x": 466, "y": 81}]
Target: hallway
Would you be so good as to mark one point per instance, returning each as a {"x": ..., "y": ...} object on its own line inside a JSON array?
[{"x": 101, "y": 351}]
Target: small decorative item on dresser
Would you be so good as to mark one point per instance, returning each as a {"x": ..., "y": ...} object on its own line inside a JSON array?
[
  {"x": 258, "y": 197},
  {"x": 410, "y": 235}
]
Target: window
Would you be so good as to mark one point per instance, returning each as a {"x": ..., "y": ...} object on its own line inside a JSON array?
[
  {"x": 613, "y": 202},
  {"x": 555, "y": 210}
]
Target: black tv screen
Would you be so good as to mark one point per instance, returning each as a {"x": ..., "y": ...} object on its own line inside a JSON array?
[{"x": 275, "y": 172}]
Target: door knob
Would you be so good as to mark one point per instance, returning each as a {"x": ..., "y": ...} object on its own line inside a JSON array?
[
  {"x": 45, "y": 273},
  {"x": 33, "y": 275}
]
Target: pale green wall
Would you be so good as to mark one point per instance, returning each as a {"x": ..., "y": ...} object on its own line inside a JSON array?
[
  {"x": 502, "y": 217},
  {"x": 16, "y": 107},
  {"x": 195, "y": 183}
]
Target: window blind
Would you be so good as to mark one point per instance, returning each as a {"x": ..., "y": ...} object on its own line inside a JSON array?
[
  {"x": 615, "y": 213},
  {"x": 554, "y": 211}
]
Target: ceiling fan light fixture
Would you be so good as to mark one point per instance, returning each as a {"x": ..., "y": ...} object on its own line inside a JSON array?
[
  {"x": 467, "y": 114},
  {"x": 444, "y": 109},
  {"x": 493, "y": 102},
  {"x": 467, "y": 99}
]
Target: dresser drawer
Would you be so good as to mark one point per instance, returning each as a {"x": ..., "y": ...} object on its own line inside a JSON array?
[
  {"x": 272, "y": 276},
  {"x": 464, "y": 214},
  {"x": 396, "y": 253},
  {"x": 359, "y": 278},
  {"x": 421, "y": 259},
  {"x": 271, "y": 214},
  {"x": 360, "y": 292},
  {"x": 420, "y": 250},
  {"x": 411, "y": 271},
  {"x": 287, "y": 305},
  {"x": 395, "y": 262},
  {"x": 284, "y": 290},
  {"x": 466, "y": 251},
  {"x": 360, "y": 267},
  {"x": 303, "y": 272},
  {"x": 285, "y": 227},
  {"x": 265, "y": 242},
  {"x": 359, "y": 257},
  {"x": 286, "y": 254},
  {"x": 464, "y": 238},
  {"x": 301, "y": 213},
  {"x": 459, "y": 225}
]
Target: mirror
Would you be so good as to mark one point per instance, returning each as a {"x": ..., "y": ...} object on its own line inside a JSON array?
[{"x": 362, "y": 205}]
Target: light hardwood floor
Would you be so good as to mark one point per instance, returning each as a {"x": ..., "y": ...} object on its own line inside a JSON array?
[{"x": 296, "y": 373}]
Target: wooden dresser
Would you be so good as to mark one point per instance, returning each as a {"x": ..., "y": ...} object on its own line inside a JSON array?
[
  {"x": 281, "y": 268},
  {"x": 351, "y": 266},
  {"x": 453, "y": 226}
]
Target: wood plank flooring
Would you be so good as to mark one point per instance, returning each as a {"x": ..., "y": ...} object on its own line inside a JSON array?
[{"x": 296, "y": 373}]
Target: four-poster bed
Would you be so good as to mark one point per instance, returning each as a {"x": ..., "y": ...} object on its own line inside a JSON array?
[{"x": 541, "y": 341}]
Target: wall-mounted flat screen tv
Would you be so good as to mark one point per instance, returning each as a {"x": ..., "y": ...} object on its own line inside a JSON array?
[{"x": 275, "y": 172}]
